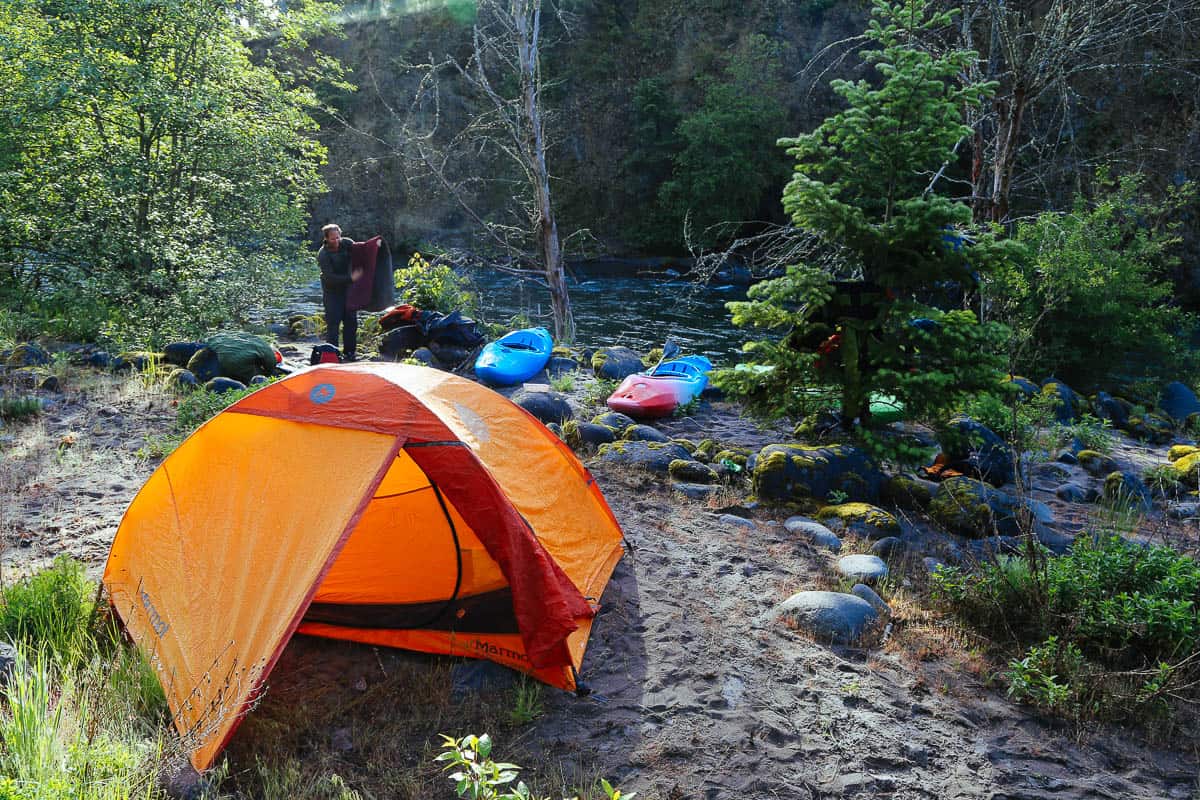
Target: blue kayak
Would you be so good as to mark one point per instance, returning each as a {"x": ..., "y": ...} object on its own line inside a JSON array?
[{"x": 515, "y": 357}]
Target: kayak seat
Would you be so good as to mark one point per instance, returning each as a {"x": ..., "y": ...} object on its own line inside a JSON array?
[{"x": 676, "y": 370}]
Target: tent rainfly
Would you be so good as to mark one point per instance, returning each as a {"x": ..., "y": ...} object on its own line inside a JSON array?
[{"x": 381, "y": 503}]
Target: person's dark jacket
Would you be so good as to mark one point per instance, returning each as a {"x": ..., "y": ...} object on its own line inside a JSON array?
[{"x": 335, "y": 267}]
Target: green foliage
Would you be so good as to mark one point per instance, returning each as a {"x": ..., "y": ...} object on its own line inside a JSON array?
[
  {"x": 477, "y": 776},
  {"x": 1093, "y": 624},
  {"x": 1094, "y": 297},
  {"x": 60, "y": 741},
  {"x": 1036, "y": 677},
  {"x": 154, "y": 172},
  {"x": 1094, "y": 434},
  {"x": 654, "y": 144},
  {"x": 82, "y": 712},
  {"x": 599, "y": 390},
  {"x": 527, "y": 701},
  {"x": 563, "y": 383},
  {"x": 435, "y": 287},
  {"x": 725, "y": 164},
  {"x": 861, "y": 189},
  {"x": 1163, "y": 479},
  {"x": 18, "y": 408},
  {"x": 202, "y": 405},
  {"x": 51, "y": 609}
]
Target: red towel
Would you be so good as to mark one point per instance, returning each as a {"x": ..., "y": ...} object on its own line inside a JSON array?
[{"x": 362, "y": 262}]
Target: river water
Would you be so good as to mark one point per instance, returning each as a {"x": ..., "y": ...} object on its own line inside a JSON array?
[{"x": 613, "y": 305}]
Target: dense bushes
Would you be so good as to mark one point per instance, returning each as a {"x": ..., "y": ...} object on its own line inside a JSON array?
[
  {"x": 1097, "y": 282},
  {"x": 1111, "y": 626}
]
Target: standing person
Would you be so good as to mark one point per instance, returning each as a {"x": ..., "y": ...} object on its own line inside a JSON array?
[{"x": 334, "y": 260}]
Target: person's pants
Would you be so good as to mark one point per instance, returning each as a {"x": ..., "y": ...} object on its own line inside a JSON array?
[{"x": 337, "y": 316}]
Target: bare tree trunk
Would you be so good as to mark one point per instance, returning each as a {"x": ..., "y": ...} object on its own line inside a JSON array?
[
  {"x": 1008, "y": 140},
  {"x": 527, "y": 16}
]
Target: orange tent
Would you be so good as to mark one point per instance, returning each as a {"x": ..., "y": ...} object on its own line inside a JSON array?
[{"x": 381, "y": 503}]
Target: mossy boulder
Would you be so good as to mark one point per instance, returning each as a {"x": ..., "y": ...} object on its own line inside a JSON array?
[
  {"x": 800, "y": 472},
  {"x": 615, "y": 363},
  {"x": 1020, "y": 385},
  {"x": 689, "y": 471},
  {"x": 863, "y": 519},
  {"x": 974, "y": 449},
  {"x": 1178, "y": 402},
  {"x": 1188, "y": 469},
  {"x": 705, "y": 451},
  {"x": 652, "y": 357},
  {"x": 1150, "y": 428},
  {"x": 974, "y": 509},
  {"x": 906, "y": 491},
  {"x": 182, "y": 380},
  {"x": 1069, "y": 405},
  {"x": 645, "y": 433},
  {"x": 586, "y": 435},
  {"x": 737, "y": 455},
  {"x": 1125, "y": 489},
  {"x": 302, "y": 327},
  {"x": 653, "y": 456},
  {"x": 1095, "y": 462},
  {"x": 612, "y": 419},
  {"x": 1178, "y": 451},
  {"x": 140, "y": 360},
  {"x": 28, "y": 354},
  {"x": 1114, "y": 409}
]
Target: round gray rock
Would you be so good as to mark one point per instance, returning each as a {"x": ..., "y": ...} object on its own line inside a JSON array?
[
  {"x": 734, "y": 521},
  {"x": 888, "y": 548},
  {"x": 546, "y": 406},
  {"x": 829, "y": 616},
  {"x": 814, "y": 531},
  {"x": 869, "y": 594},
  {"x": 696, "y": 491},
  {"x": 863, "y": 567}
]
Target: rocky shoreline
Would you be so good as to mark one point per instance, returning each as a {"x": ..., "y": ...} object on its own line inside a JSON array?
[{"x": 741, "y": 649}]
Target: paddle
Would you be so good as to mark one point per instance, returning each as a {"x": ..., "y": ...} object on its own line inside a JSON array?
[{"x": 670, "y": 350}]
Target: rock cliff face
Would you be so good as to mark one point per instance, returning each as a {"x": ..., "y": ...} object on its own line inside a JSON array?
[{"x": 634, "y": 85}]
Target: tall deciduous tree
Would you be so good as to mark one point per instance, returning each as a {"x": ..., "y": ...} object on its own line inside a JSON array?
[
  {"x": 504, "y": 147},
  {"x": 862, "y": 188},
  {"x": 1040, "y": 53},
  {"x": 153, "y": 170}
]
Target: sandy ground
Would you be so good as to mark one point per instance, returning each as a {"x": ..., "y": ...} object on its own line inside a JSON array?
[{"x": 698, "y": 692}]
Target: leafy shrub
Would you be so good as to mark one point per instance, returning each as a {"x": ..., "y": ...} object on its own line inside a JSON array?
[
  {"x": 598, "y": 391},
  {"x": 435, "y": 287},
  {"x": 1112, "y": 610},
  {"x": 477, "y": 776},
  {"x": 1098, "y": 281},
  {"x": 1094, "y": 434}
]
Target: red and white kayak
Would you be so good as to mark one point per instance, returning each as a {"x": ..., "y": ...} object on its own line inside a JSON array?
[{"x": 659, "y": 392}]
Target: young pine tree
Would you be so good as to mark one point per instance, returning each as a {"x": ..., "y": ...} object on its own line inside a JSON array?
[{"x": 863, "y": 188}]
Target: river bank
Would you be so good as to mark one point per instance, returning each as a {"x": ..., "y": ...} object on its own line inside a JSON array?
[{"x": 699, "y": 688}]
